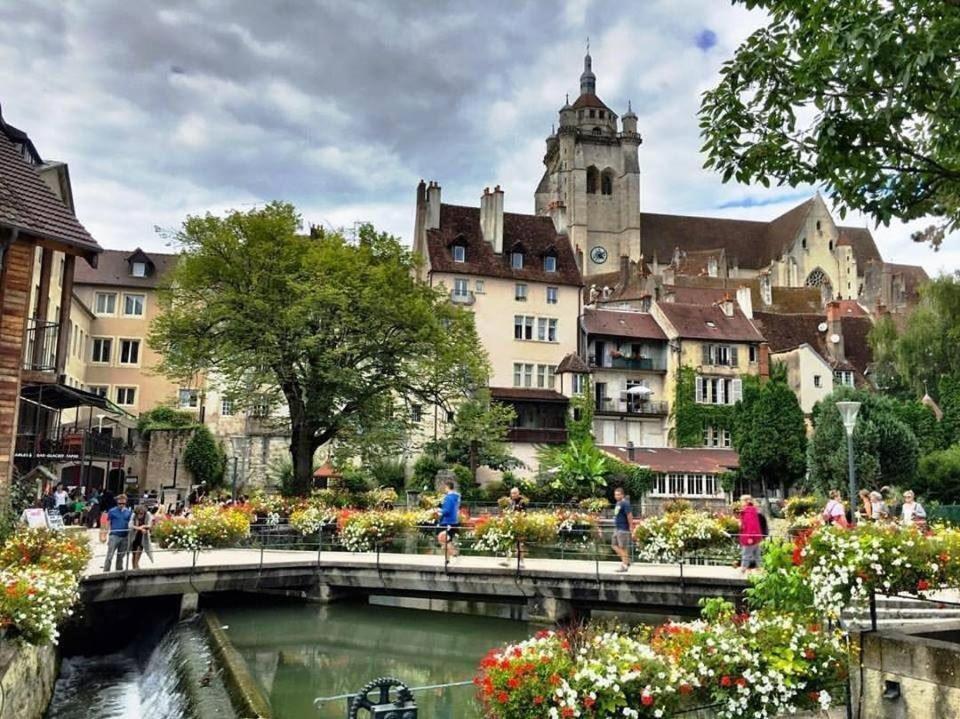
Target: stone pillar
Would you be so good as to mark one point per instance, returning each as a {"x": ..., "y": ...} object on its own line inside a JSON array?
[
  {"x": 552, "y": 610},
  {"x": 188, "y": 605}
]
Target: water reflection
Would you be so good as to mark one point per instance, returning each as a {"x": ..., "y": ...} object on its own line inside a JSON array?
[{"x": 302, "y": 652}]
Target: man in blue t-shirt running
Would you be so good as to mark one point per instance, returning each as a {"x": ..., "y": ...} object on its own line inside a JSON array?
[
  {"x": 622, "y": 529},
  {"x": 119, "y": 520},
  {"x": 449, "y": 517}
]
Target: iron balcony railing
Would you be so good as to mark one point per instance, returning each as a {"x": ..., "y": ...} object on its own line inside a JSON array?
[
  {"x": 461, "y": 298},
  {"x": 646, "y": 364},
  {"x": 69, "y": 444},
  {"x": 40, "y": 346},
  {"x": 537, "y": 435},
  {"x": 648, "y": 408}
]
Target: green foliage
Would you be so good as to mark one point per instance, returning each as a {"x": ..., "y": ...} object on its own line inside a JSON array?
[
  {"x": 343, "y": 332},
  {"x": 205, "y": 458},
  {"x": 885, "y": 448},
  {"x": 463, "y": 477},
  {"x": 771, "y": 435},
  {"x": 477, "y": 438},
  {"x": 938, "y": 476},
  {"x": 635, "y": 481},
  {"x": 580, "y": 418},
  {"x": 949, "y": 391},
  {"x": 164, "y": 417},
  {"x": 389, "y": 473},
  {"x": 354, "y": 480},
  {"x": 780, "y": 587},
  {"x": 425, "y": 471},
  {"x": 859, "y": 95},
  {"x": 577, "y": 469},
  {"x": 690, "y": 418}
]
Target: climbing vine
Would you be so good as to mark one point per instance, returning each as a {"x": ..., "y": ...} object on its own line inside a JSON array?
[{"x": 690, "y": 418}]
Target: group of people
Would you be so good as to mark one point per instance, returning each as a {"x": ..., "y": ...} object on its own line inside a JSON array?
[
  {"x": 126, "y": 530},
  {"x": 874, "y": 506},
  {"x": 76, "y": 507}
]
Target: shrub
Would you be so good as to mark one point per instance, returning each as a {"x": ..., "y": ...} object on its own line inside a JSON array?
[
  {"x": 389, "y": 473},
  {"x": 47, "y": 549},
  {"x": 164, "y": 417},
  {"x": 382, "y": 498},
  {"x": 205, "y": 458},
  {"x": 779, "y": 587},
  {"x": 495, "y": 491},
  {"x": 938, "y": 476},
  {"x": 670, "y": 537},
  {"x": 425, "y": 471},
  {"x": 802, "y": 505},
  {"x": 35, "y": 600},
  {"x": 677, "y": 506},
  {"x": 596, "y": 505},
  {"x": 354, "y": 481}
]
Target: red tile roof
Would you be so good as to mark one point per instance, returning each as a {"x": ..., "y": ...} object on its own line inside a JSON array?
[
  {"x": 669, "y": 459},
  {"x": 690, "y": 322},
  {"x": 787, "y": 332},
  {"x": 536, "y": 235},
  {"x": 573, "y": 363},
  {"x": 28, "y": 204},
  {"x": 113, "y": 269},
  {"x": 618, "y": 323},
  {"x": 852, "y": 308},
  {"x": 528, "y": 394},
  {"x": 588, "y": 99}
]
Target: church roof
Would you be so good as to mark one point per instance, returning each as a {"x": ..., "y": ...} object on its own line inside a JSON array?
[
  {"x": 536, "y": 235},
  {"x": 588, "y": 99}
]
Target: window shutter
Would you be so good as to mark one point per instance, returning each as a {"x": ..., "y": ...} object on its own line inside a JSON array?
[
  {"x": 706, "y": 354},
  {"x": 733, "y": 356},
  {"x": 737, "y": 388},
  {"x": 721, "y": 397},
  {"x": 699, "y": 390}
]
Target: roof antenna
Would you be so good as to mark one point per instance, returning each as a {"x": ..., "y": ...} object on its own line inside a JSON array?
[{"x": 588, "y": 44}]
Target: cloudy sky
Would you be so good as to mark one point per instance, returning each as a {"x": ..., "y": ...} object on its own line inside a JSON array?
[{"x": 174, "y": 108}]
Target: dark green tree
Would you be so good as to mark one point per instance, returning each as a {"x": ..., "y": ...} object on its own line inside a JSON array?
[
  {"x": 336, "y": 330},
  {"x": 938, "y": 476},
  {"x": 771, "y": 435},
  {"x": 885, "y": 448},
  {"x": 479, "y": 432},
  {"x": 862, "y": 96},
  {"x": 205, "y": 458}
]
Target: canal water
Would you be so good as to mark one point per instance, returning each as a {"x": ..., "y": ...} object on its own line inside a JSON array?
[
  {"x": 301, "y": 652},
  {"x": 296, "y": 652}
]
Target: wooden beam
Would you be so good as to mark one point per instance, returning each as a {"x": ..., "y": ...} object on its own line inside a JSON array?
[
  {"x": 66, "y": 300},
  {"x": 43, "y": 306}
]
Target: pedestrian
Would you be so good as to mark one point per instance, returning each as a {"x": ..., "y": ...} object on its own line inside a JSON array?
[
  {"x": 141, "y": 523},
  {"x": 449, "y": 518},
  {"x": 751, "y": 534},
  {"x": 60, "y": 498},
  {"x": 48, "y": 501},
  {"x": 912, "y": 512},
  {"x": 880, "y": 511},
  {"x": 834, "y": 513},
  {"x": 515, "y": 503},
  {"x": 118, "y": 525},
  {"x": 622, "y": 541},
  {"x": 866, "y": 505},
  {"x": 93, "y": 510}
]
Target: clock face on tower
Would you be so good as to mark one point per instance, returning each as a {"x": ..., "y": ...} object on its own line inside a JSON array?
[{"x": 598, "y": 255}]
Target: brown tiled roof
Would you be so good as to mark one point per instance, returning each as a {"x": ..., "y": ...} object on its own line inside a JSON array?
[
  {"x": 114, "y": 270},
  {"x": 785, "y": 332},
  {"x": 864, "y": 248},
  {"x": 690, "y": 321},
  {"x": 28, "y": 204},
  {"x": 668, "y": 459},
  {"x": 618, "y": 323},
  {"x": 913, "y": 276},
  {"x": 528, "y": 394},
  {"x": 535, "y": 234},
  {"x": 588, "y": 99},
  {"x": 852, "y": 308},
  {"x": 574, "y": 364}
]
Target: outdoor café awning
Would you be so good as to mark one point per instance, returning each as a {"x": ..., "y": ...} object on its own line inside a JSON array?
[{"x": 59, "y": 397}]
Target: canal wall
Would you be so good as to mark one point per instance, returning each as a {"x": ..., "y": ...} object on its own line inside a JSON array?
[
  {"x": 248, "y": 699},
  {"x": 27, "y": 676}
]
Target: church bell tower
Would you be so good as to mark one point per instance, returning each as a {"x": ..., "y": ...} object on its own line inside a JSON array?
[{"x": 591, "y": 185}]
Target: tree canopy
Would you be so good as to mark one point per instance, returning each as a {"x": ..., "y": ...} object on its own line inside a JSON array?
[
  {"x": 338, "y": 331},
  {"x": 478, "y": 435},
  {"x": 861, "y": 96}
]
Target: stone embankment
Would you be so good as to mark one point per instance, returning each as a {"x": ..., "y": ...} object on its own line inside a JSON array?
[{"x": 27, "y": 676}]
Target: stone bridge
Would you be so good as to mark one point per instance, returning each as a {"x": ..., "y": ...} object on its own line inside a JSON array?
[{"x": 548, "y": 588}]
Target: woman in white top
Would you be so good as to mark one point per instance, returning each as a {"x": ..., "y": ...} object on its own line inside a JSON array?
[
  {"x": 912, "y": 512},
  {"x": 834, "y": 512}
]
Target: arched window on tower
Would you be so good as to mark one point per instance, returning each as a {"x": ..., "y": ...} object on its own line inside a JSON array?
[
  {"x": 606, "y": 182},
  {"x": 817, "y": 278},
  {"x": 593, "y": 179},
  {"x": 598, "y": 131}
]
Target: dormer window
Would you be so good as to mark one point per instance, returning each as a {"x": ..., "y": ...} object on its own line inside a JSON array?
[
  {"x": 138, "y": 269},
  {"x": 459, "y": 253},
  {"x": 516, "y": 259},
  {"x": 550, "y": 263}
]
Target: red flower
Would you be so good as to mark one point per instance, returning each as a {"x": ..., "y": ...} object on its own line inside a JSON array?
[
  {"x": 502, "y": 697},
  {"x": 646, "y": 699},
  {"x": 538, "y": 699},
  {"x": 513, "y": 682},
  {"x": 809, "y": 654},
  {"x": 741, "y": 682},
  {"x": 588, "y": 702},
  {"x": 923, "y": 585},
  {"x": 566, "y": 712},
  {"x": 725, "y": 681},
  {"x": 555, "y": 679},
  {"x": 685, "y": 688}
]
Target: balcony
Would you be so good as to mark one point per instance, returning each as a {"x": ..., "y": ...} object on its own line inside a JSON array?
[
  {"x": 461, "y": 298},
  {"x": 537, "y": 435},
  {"x": 40, "y": 346},
  {"x": 639, "y": 364},
  {"x": 69, "y": 445},
  {"x": 607, "y": 407}
]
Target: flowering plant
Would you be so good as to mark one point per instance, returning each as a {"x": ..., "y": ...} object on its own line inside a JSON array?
[
  {"x": 801, "y": 506},
  {"x": 47, "y": 548},
  {"x": 311, "y": 519},
  {"x": 668, "y": 537},
  {"x": 499, "y": 534},
  {"x": 576, "y": 527},
  {"x": 34, "y": 600},
  {"x": 363, "y": 531},
  {"x": 210, "y": 525},
  {"x": 594, "y": 505}
]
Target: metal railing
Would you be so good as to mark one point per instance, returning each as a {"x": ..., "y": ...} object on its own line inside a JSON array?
[
  {"x": 635, "y": 408},
  {"x": 40, "y": 346},
  {"x": 543, "y": 435},
  {"x": 69, "y": 444}
]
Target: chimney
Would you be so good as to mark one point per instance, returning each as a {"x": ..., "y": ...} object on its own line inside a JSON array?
[
  {"x": 764, "y": 357},
  {"x": 558, "y": 213},
  {"x": 631, "y": 451},
  {"x": 433, "y": 206},
  {"x": 491, "y": 217},
  {"x": 624, "y": 272},
  {"x": 835, "y": 332},
  {"x": 726, "y": 305},
  {"x": 745, "y": 300},
  {"x": 419, "y": 239},
  {"x": 766, "y": 290}
]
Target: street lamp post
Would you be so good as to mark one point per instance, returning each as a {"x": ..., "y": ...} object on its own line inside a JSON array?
[{"x": 848, "y": 411}]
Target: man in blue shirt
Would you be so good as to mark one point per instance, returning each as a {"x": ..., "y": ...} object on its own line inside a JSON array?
[
  {"x": 119, "y": 520},
  {"x": 449, "y": 517},
  {"x": 622, "y": 529}
]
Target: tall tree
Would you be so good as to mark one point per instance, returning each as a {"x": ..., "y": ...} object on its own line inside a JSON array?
[
  {"x": 336, "y": 330},
  {"x": 771, "y": 435},
  {"x": 862, "y": 96},
  {"x": 477, "y": 438}
]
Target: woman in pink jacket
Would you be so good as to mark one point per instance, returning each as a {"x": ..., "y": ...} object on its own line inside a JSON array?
[{"x": 751, "y": 534}]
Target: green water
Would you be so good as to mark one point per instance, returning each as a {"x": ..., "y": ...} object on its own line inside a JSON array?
[{"x": 298, "y": 653}]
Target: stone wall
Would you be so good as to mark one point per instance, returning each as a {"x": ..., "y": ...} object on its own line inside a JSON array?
[
  {"x": 27, "y": 677},
  {"x": 922, "y": 667},
  {"x": 166, "y": 449}
]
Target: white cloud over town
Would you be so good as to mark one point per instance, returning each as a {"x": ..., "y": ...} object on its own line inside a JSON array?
[{"x": 161, "y": 111}]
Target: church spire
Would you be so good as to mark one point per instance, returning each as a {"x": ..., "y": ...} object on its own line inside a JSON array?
[{"x": 588, "y": 81}]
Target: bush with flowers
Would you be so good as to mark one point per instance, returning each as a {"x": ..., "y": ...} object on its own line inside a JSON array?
[
  {"x": 500, "y": 533},
  {"x": 674, "y": 535},
  {"x": 34, "y": 600},
  {"x": 576, "y": 528},
  {"x": 364, "y": 531},
  {"x": 209, "y": 526},
  {"x": 802, "y": 506},
  {"x": 760, "y": 666},
  {"x": 48, "y": 549},
  {"x": 311, "y": 519}
]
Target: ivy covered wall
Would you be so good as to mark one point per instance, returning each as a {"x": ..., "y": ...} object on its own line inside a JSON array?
[{"x": 690, "y": 418}]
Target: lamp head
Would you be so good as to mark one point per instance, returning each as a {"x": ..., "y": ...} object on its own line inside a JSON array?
[{"x": 848, "y": 412}]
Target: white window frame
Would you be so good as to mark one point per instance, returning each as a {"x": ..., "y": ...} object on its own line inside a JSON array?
[
  {"x": 459, "y": 253},
  {"x": 516, "y": 260},
  {"x": 93, "y": 347},
  {"x": 552, "y": 295},
  {"x": 143, "y": 304},
  {"x": 142, "y": 266},
  {"x": 552, "y": 324},
  {"x": 96, "y": 304},
  {"x": 461, "y": 287},
  {"x": 193, "y": 403},
  {"x": 92, "y": 389},
  {"x": 520, "y": 292},
  {"x": 226, "y": 407},
  {"x": 126, "y": 388},
  {"x": 480, "y": 287},
  {"x": 549, "y": 263},
  {"x": 686, "y": 484},
  {"x": 139, "y": 345}
]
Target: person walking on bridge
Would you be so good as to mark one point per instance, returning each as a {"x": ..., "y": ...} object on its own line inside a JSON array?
[
  {"x": 449, "y": 517},
  {"x": 622, "y": 529},
  {"x": 118, "y": 522},
  {"x": 515, "y": 503}
]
